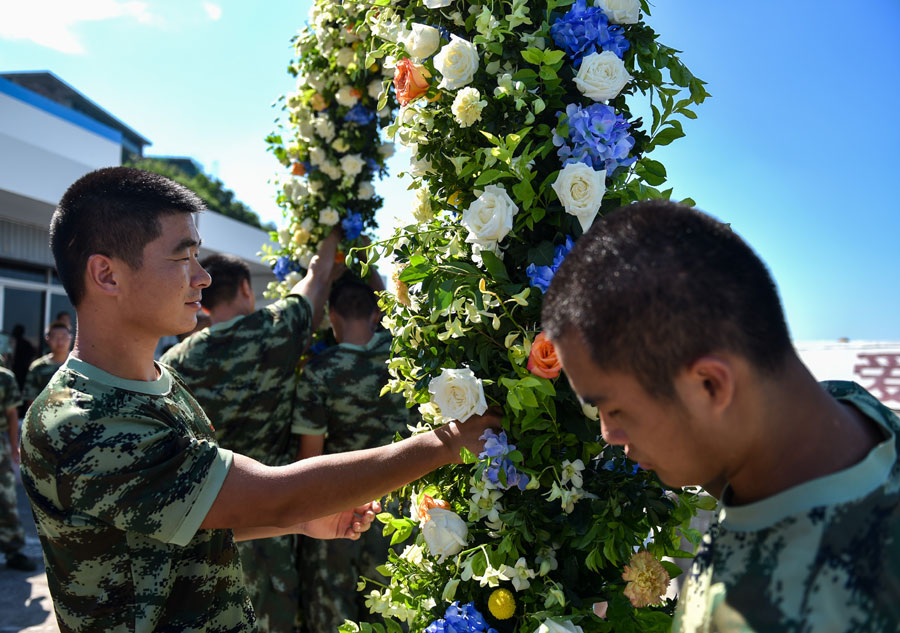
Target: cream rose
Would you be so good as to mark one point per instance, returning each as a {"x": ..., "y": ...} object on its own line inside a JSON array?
[
  {"x": 445, "y": 533},
  {"x": 324, "y": 127},
  {"x": 558, "y": 626},
  {"x": 581, "y": 190},
  {"x": 467, "y": 106},
  {"x": 331, "y": 170},
  {"x": 352, "y": 164},
  {"x": 347, "y": 96},
  {"x": 421, "y": 41},
  {"x": 329, "y": 217},
  {"x": 458, "y": 394},
  {"x": 621, "y": 11},
  {"x": 437, "y": 4},
  {"x": 345, "y": 56},
  {"x": 457, "y": 63},
  {"x": 365, "y": 191},
  {"x": 375, "y": 89},
  {"x": 490, "y": 217},
  {"x": 422, "y": 211},
  {"x": 602, "y": 76}
]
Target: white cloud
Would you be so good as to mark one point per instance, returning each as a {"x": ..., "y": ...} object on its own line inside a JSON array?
[
  {"x": 51, "y": 23},
  {"x": 214, "y": 11}
]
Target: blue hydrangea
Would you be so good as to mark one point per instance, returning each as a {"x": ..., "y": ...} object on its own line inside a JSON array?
[
  {"x": 360, "y": 115},
  {"x": 285, "y": 265},
  {"x": 597, "y": 137},
  {"x": 460, "y": 619},
  {"x": 496, "y": 448},
  {"x": 353, "y": 226},
  {"x": 585, "y": 30},
  {"x": 541, "y": 276},
  {"x": 318, "y": 347}
]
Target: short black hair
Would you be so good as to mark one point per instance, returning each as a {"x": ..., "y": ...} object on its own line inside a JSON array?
[
  {"x": 353, "y": 299},
  {"x": 227, "y": 272},
  {"x": 114, "y": 212},
  {"x": 656, "y": 285},
  {"x": 58, "y": 325}
]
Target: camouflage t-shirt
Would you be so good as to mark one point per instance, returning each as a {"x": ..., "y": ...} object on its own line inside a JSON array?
[
  {"x": 39, "y": 374},
  {"x": 241, "y": 372},
  {"x": 823, "y": 556},
  {"x": 121, "y": 474},
  {"x": 338, "y": 394},
  {"x": 9, "y": 394}
]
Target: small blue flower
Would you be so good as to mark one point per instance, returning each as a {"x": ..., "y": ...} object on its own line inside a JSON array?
[
  {"x": 597, "y": 137},
  {"x": 541, "y": 276},
  {"x": 285, "y": 265},
  {"x": 497, "y": 447},
  {"x": 353, "y": 226},
  {"x": 585, "y": 30},
  {"x": 318, "y": 347},
  {"x": 460, "y": 619},
  {"x": 360, "y": 115}
]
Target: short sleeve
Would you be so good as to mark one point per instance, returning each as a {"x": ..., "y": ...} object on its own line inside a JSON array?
[
  {"x": 310, "y": 409},
  {"x": 143, "y": 477}
]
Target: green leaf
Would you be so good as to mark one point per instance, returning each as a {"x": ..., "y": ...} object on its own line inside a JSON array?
[
  {"x": 494, "y": 265},
  {"x": 490, "y": 175},
  {"x": 553, "y": 56},
  {"x": 666, "y": 136},
  {"x": 674, "y": 570},
  {"x": 467, "y": 456},
  {"x": 533, "y": 55}
]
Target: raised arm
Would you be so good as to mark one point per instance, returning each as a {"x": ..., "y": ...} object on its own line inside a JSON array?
[
  {"x": 317, "y": 282},
  {"x": 254, "y": 495}
]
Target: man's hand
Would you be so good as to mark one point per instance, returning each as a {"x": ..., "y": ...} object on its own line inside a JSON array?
[
  {"x": 348, "y": 524},
  {"x": 457, "y": 435}
]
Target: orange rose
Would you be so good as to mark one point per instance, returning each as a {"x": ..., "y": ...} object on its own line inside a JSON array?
[
  {"x": 340, "y": 257},
  {"x": 429, "y": 502},
  {"x": 543, "y": 361},
  {"x": 318, "y": 102},
  {"x": 410, "y": 81},
  {"x": 298, "y": 169}
]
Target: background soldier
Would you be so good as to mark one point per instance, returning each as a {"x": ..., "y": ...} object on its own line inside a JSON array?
[
  {"x": 59, "y": 339},
  {"x": 12, "y": 536},
  {"x": 338, "y": 409},
  {"x": 241, "y": 371}
]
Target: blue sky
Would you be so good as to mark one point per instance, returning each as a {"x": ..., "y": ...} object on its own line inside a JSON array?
[{"x": 796, "y": 148}]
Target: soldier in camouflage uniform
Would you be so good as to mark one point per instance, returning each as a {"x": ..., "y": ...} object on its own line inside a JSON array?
[
  {"x": 137, "y": 507},
  {"x": 240, "y": 370},
  {"x": 12, "y": 537},
  {"x": 669, "y": 323},
  {"x": 339, "y": 409},
  {"x": 59, "y": 338}
]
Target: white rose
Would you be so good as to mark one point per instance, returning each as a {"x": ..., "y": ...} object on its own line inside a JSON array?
[
  {"x": 317, "y": 156},
  {"x": 467, "y": 106},
  {"x": 305, "y": 129},
  {"x": 329, "y": 217},
  {"x": 621, "y": 11},
  {"x": 602, "y": 76},
  {"x": 352, "y": 164},
  {"x": 581, "y": 190},
  {"x": 445, "y": 533},
  {"x": 419, "y": 166},
  {"x": 295, "y": 189},
  {"x": 324, "y": 127},
  {"x": 490, "y": 217},
  {"x": 558, "y": 626},
  {"x": 366, "y": 191},
  {"x": 345, "y": 57},
  {"x": 458, "y": 394},
  {"x": 331, "y": 170},
  {"x": 386, "y": 150},
  {"x": 457, "y": 63},
  {"x": 375, "y": 89},
  {"x": 421, "y": 41},
  {"x": 317, "y": 82},
  {"x": 346, "y": 96},
  {"x": 422, "y": 211},
  {"x": 293, "y": 277},
  {"x": 437, "y": 4},
  {"x": 284, "y": 236},
  {"x": 308, "y": 224}
]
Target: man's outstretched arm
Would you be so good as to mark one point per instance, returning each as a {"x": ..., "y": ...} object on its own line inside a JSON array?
[{"x": 254, "y": 495}]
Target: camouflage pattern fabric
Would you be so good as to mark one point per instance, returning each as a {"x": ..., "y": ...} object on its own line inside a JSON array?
[
  {"x": 241, "y": 372},
  {"x": 338, "y": 394},
  {"x": 823, "y": 556},
  {"x": 12, "y": 537},
  {"x": 121, "y": 474},
  {"x": 39, "y": 374}
]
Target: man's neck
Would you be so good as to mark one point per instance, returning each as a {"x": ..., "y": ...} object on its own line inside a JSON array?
[
  {"x": 802, "y": 433},
  {"x": 59, "y": 357},
  {"x": 226, "y": 312},
  {"x": 357, "y": 333},
  {"x": 116, "y": 349}
]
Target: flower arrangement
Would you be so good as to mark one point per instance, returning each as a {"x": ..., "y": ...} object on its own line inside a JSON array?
[
  {"x": 329, "y": 143},
  {"x": 520, "y": 120}
]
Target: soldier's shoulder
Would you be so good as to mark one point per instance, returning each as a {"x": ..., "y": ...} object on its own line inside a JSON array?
[
  {"x": 6, "y": 376},
  {"x": 46, "y": 359}
]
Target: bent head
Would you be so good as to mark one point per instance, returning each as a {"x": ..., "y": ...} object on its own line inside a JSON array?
[
  {"x": 125, "y": 240},
  {"x": 657, "y": 314},
  {"x": 352, "y": 304}
]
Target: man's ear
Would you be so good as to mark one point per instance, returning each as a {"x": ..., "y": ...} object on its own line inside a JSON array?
[
  {"x": 246, "y": 288},
  {"x": 101, "y": 274},
  {"x": 709, "y": 382}
]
